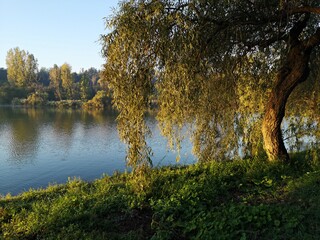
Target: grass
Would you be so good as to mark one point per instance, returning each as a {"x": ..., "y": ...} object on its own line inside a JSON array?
[{"x": 245, "y": 199}]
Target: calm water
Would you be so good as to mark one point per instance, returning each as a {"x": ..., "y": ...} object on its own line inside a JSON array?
[{"x": 39, "y": 147}]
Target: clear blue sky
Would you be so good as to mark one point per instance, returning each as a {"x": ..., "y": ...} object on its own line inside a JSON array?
[{"x": 55, "y": 31}]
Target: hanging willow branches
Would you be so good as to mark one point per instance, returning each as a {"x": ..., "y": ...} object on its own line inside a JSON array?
[{"x": 211, "y": 66}]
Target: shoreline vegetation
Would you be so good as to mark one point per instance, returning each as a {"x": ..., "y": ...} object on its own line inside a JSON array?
[
  {"x": 241, "y": 199},
  {"x": 100, "y": 101}
]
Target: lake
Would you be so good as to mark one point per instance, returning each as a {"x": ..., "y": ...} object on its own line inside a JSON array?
[{"x": 39, "y": 147}]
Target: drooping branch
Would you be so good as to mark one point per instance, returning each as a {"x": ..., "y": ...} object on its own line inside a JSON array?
[{"x": 191, "y": 46}]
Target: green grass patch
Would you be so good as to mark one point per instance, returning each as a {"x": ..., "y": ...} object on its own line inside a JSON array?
[{"x": 244, "y": 199}]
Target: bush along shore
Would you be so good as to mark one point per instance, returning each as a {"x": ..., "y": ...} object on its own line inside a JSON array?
[
  {"x": 100, "y": 101},
  {"x": 243, "y": 199}
]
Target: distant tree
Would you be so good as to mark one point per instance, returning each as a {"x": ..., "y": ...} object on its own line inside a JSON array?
[
  {"x": 22, "y": 67},
  {"x": 43, "y": 76},
  {"x": 3, "y": 76},
  {"x": 85, "y": 88},
  {"x": 76, "y": 77},
  {"x": 67, "y": 80},
  {"x": 94, "y": 75},
  {"x": 31, "y": 69},
  {"x": 99, "y": 101},
  {"x": 55, "y": 80}
]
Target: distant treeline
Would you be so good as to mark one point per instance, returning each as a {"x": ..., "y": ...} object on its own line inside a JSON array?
[{"x": 23, "y": 83}]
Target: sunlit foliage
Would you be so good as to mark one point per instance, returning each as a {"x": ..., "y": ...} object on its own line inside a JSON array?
[
  {"x": 99, "y": 101},
  {"x": 67, "y": 80},
  {"x": 22, "y": 67},
  {"x": 55, "y": 80},
  {"x": 37, "y": 98}
]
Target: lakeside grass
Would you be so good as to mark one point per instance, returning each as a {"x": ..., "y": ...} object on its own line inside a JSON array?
[{"x": 244, "y": 199}]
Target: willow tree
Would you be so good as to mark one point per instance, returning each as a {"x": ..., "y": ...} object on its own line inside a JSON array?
[{"x": 224, "y": 68}]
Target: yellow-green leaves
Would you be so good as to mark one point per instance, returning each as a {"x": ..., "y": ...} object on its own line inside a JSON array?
[
  {"x": 22, "y": 67},
  {"x": 61, "y": 80},
  {"x": 55, "y": 80},
  {"x": 67, "y": 79},
  {"x": 129, "y": 74},
  {"x": 208, "y": 66}
]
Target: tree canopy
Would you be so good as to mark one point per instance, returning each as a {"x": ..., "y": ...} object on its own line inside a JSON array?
[
  {"x": 55, "y": 80},
  {"x": 223, "y": 68},
  {"x": 22, "y": 67}
]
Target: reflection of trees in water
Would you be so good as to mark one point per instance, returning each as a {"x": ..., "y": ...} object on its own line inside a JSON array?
[
  {"x": 24, "y": 126},
  {"x": 24, "y": 142},
  {"x": 27, "y": 128},
  {"x": 98, "y": 124},
  {"x": 87, "y": 117},
  {"x": 66, "y": 123},
  {"x": 63, "y": 124},
  {"x": 98, "y": 117}
]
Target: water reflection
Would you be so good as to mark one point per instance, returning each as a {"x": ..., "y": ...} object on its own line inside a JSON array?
[
  {"x": 63, "y": 126},
  {"x": 41, "y": 146},
  {"x": 58, "y": 127},
  {"x": 24, "y": 137}
]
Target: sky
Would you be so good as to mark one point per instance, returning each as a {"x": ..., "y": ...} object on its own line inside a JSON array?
[{"x": 55, "y": 31}]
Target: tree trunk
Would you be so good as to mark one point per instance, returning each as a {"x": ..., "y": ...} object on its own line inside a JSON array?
[
  {"x": 271, "y": 128},
  {"x": 294, "y": 71}
]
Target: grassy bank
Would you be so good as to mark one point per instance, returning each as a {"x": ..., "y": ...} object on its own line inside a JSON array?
[{"x": 248, "y": 199}]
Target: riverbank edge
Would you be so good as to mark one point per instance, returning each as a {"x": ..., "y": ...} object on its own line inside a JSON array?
[{"x": 243, "y": 199}]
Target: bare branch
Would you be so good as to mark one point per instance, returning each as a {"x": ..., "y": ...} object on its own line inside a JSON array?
[
  {"x": 304, "y": 9},
  {"x": 298, "y": 28},
  {"x": 313, "y": 41},
  {"x": 265, "y": 42}
]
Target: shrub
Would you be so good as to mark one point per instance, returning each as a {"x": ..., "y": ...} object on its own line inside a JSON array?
[
  {"x": 37, "y": 98},
  {"x": 65, "y": 104},
  {"x": 9, "y": 93},
  {"x": 99, "y": 101}
]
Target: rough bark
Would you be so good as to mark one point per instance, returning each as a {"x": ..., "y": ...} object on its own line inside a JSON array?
[{"x": 294, "y": 71}]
